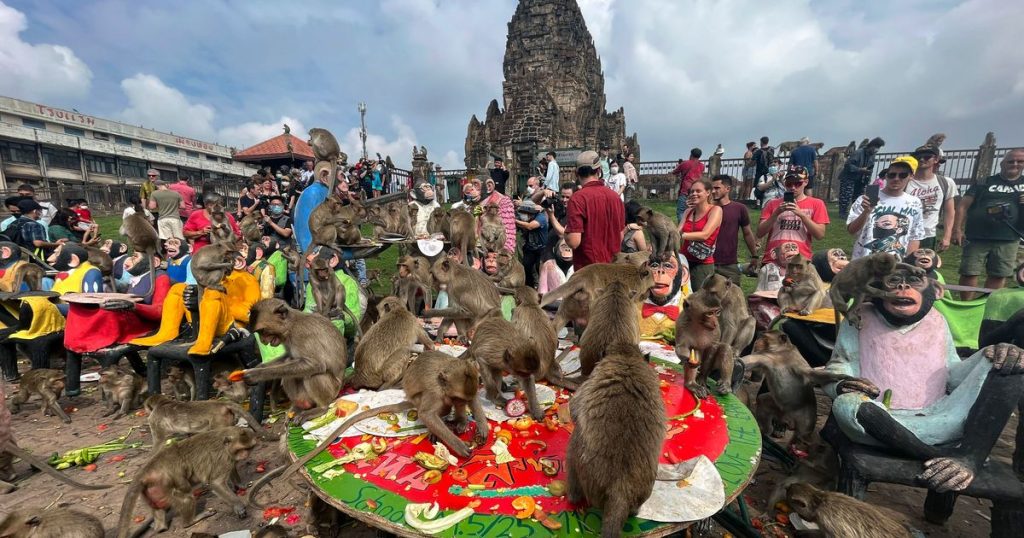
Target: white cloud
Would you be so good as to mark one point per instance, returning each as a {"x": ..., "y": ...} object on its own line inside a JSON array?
[
  {"x": 155, "y": 105},
  {"x": 39, "y": 72},
  {"x": 249, "y": 133}
]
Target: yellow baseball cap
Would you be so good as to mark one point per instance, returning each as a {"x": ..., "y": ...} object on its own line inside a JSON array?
[{"x": 907, "y": 160}]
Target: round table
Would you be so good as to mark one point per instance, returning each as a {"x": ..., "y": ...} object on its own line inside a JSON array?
[{"x": 376, "y": 492}]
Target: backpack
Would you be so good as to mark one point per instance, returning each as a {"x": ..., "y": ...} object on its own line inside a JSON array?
[{"x": 13, "y": 233}]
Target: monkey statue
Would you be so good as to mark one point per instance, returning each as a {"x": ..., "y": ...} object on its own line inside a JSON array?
[
  {"x": 913, "y": 395},
  {"x": 218, "y": 311},
  {"x": 425, "y": 204}
]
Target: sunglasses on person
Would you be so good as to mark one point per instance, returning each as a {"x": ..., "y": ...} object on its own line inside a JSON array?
[{"x": 894, "y": 175}]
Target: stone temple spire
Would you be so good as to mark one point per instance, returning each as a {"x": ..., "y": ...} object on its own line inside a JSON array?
[{"x": 553, "y": 91}]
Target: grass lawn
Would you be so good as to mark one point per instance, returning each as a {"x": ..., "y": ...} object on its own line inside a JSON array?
[{"x": 835, "y": 237}]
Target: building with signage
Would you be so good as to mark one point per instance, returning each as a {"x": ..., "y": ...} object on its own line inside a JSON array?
[{"x": 62, "y": 149}]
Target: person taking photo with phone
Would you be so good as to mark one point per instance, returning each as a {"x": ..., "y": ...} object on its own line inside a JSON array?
[
  {"x": 888, "y": 219},
  {"x": 794, "y": 218}
]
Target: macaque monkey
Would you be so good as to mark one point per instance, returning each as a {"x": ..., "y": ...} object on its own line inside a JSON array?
[
  {"x": 396, "y": 219},
  {"x": 328, "y": 293},
  {"x": 636, "y": 259},
  {"x": 168, "y": 478},
  {"x": 802, "y": 290},
  {"x": 463, "y": 232},
  {"x": 325, "y": 147},
  {"x": 439, "y": 222},
  {"x": 612, "y": 457},
  {"x": 790, "y": 381},
  {"x": 598, "y": 276},
  {"x": 50, "y": 523},
  {"x": 121, "y": 390},
  {"x": 841, "y": 516},
  {"x": 251, "y": 229},
  {"x": 532, "y": 320},
  {"x": 384, "y": 352},
  {"x": 102, "y": 261},
  {"x": 313, "y": 367},
  {"x": 327, "y": 222},
  {"x": 435, "y": 384},
  {"x": 612, "y": 320},
  {"x": 212, "y": 263},
  {"x": 855, "y": 281},
  {"x": 412, "y": 278},
  {"x": 498, "y": 346},
  {"x": 736, "y": 321},
  {"x": 665, "y": 239},
  {"x": 413, "y": 211},
  {"x": 698, "y": 330},
  {"x": 574, "y": 308},
  {"x": 143, "y": 238},
  {"x": 472, "y": 293},
  {"x": 48, "y": 384},
  {"x": 492, "y": 229},
  {"x": 511, "y": 273},
  {"x": 183, "y": 383},
  {"x": 220, "y": 226},
  {"x": 168, "y": 417}
]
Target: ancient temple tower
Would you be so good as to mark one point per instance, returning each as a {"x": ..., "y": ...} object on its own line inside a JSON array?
[{"x": 553, "y": 93}]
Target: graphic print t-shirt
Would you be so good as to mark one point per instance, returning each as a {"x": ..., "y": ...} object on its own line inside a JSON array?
[
  {"x": 932, "y": 193},
  {"x": 895, "y": 221},
  {"x": 790, "y": 229}
]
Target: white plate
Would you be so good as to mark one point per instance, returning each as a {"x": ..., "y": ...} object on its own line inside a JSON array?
[
  {"x": 366, "y": 398},
  {"x": 702, "y": 497},
  {"x": 658, "y": 351},
  {"x": 86, "y": 378},
  {"x": 545, "y": 397}
]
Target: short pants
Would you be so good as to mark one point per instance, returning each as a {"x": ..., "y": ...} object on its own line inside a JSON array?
[{"x": 997, "y": 258}]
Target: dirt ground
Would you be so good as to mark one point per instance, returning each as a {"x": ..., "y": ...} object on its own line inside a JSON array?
[{"x": 45, "y": 435}]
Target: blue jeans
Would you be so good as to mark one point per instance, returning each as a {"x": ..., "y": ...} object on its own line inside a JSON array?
[{"x": 680, "y": 208}]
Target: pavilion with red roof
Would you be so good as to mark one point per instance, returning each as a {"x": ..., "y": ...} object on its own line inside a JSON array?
[{"x": 276, "y": 151}]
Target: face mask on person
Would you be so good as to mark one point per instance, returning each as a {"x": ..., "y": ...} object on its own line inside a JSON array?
[
  {"x": 773, "y": 169},
  {"x": 614, "y": 170},
  {"x": 276, "y": 209}
]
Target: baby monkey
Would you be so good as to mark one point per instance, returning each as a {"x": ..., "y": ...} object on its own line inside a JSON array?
[
  {"x": 121, "y": 390},
  {"x": 802, "y": 290},
  {"x": 48, "y": 384},
  {"x": 328, "y": 293},
  {"x": 856, "y": 282}
]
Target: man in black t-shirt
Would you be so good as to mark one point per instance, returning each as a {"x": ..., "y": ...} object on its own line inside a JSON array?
[
  {"x": 277, "y": 225},
  {"x": 500, "y": 175},
  {"x": 987, "y": 207}
]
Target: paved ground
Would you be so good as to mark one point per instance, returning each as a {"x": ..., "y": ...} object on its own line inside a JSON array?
[{"x": 46, "y": 435}]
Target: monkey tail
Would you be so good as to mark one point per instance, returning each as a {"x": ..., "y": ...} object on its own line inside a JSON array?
[
  {"x": 44, "y": 467},
  {"x": 614, "y": 516},
  {"x": 128, "y": 505},
  {"x": 250, "y": 496},
  {"x": 251, "y": 420},
  {"x": 560, "y": 292}
]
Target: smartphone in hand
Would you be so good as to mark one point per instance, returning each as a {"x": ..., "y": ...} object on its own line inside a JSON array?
[
  {"x": 871, "y": 191},
  {"x": 789, "y": 197}
]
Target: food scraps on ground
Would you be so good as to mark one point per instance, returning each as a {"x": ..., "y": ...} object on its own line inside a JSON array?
[
  {"x": 501, "y": 453},
  {"x": 430, "y": 461},
  {"x": 557, "y": 487},
  {"x": 543, "y": 518},
  {"x": 89, "y": 454},
  {"x": 515, "y": 408},
  {"x": 272, "y": 512},
  {"x": 525, "y": 506},
  {"x": 432, "y": 476},
  {"x": 236, "y": 376},
  {"x": 459, "y": 474},
  {"x": 421, "y": 516},
  {"x": 442, "y": 452}
]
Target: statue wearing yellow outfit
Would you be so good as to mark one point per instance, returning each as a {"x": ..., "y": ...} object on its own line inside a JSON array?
[
  {"x": 217, "y": 311},
  {"x": 658, "y": 313}
]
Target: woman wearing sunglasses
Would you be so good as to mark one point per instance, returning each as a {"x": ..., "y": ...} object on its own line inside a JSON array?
[{"x": 887, "y": 219}]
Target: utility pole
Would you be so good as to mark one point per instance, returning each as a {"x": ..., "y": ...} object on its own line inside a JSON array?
[{"x": 362, "y": 121}]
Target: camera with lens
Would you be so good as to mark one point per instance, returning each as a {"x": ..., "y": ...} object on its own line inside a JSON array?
[
  {"x": 547, "y": 202},
  {"x": 1000, "y": 211}
]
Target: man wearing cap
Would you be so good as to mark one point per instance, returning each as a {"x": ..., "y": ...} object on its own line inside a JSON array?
[
  {"x": 895, "y": 222},
  {"x": 499, "y": 174},
  {"x": 687, "y": 171},
  {"x": 936, "y": 193},
  {"x": 48, "y": 210},
  {"x": 805, "y": 155},
  {"x": 799, "y": 222},
  {"x": 148, "y": 186},
  {"x": 30, "y": 232},
  {"x": 596, "y": 216},
  {"x": 168, "y": 205},
  {"x": 987, "y": 207},
  {"x": 534, "y": 226}
]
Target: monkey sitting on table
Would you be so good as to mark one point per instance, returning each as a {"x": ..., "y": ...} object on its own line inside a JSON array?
[
  {"x": 218, "y": 311},
  {"x": 904, "y": 348}
]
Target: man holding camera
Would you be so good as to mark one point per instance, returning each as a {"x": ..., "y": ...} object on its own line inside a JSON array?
[
  {"x": 989, "y": 208},
  {"x": 888, "y": 220},
  {"x": 795, "y": 218}
]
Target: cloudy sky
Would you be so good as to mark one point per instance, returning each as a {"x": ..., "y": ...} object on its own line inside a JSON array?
[{"x": 688, "y": 72}]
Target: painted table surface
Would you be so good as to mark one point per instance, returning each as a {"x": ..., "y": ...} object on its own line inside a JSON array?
[{"x": 376, "y": 492}]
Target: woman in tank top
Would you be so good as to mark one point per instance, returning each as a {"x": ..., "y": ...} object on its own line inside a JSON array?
[
  {"x": 699, "y": 231},
  {"x": 633, "y": 239}
]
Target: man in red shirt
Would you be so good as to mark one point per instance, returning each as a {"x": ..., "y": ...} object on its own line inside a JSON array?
[
  {"x": 188, "y": 195},
  {"x": 796, "y": 218},
  {"x": 197, "y": 227},
  {"x": 596, "y": 217},
  {"x": 688, "y": 171}
]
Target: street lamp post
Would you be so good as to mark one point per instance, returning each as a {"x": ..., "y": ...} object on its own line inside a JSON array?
[{"x": 362, "y": 121}]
